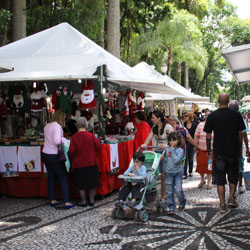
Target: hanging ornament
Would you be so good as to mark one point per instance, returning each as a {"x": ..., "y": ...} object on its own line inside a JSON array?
[{"x": 87, "y": 99}]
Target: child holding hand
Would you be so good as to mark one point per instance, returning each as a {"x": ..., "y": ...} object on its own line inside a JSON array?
[
  {"x": 173, "y": 169},
  {"x": 133, "y": 186}
]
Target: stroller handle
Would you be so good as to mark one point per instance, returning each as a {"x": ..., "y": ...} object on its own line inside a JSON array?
[{"x": 147, "y": 147}]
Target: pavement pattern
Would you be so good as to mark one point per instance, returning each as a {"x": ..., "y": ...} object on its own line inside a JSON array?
[{"x": 33, "y": 224}]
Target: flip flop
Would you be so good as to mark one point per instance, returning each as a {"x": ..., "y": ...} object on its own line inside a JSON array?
[{"x": 201, "y": 184}]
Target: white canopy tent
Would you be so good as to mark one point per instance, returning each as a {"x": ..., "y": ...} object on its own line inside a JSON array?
[
  {"x": 238, "y": 59},
  {"x": 246, "y": 98},
  {"x": 5, "y": 68},
  {"x": 146, "y": 70},
  {"x": 63, "y": 53},
  {"x": 156, "y": 96}
]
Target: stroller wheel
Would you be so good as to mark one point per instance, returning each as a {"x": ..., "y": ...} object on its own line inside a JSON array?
[
  {"x": 113, "y": 214},
  {"x": 118, "y": 213},
  {"x": 143, "y": 216}
]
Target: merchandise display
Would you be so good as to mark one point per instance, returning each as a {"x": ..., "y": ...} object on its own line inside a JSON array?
[{"x": 27, "y": 108}]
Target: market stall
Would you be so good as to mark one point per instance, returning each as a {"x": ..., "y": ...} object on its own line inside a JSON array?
[{"x": 66, "y": 67}]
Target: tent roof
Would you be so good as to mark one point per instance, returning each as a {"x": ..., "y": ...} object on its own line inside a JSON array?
[
  {"x": 238, "y": 59},
  {"x": 178, "y": 91},
  {"x": 156, "y": 96},
  {"x": 63, "y": 53}
]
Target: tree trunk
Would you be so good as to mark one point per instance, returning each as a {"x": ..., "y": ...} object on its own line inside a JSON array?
[
  {"x": 113, "y": 27},
  {"x": 238, "y": 91},
  {"x": 101, "y": 31},
  {"x": 179, "y": 72},
  {"x": 170, "y": 60},
  {"x": 18, "y": 19},
  {"x": 186, "y": 74}
]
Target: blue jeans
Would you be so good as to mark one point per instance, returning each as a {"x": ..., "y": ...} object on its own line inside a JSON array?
[
  {"x": 56, "y": 170},
  {"x": 189, "y": 159},
  {"x": 174, "y": 185}
]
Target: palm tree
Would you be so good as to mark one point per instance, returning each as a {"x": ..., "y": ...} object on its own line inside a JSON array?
[{"x": 179, "y": 38}]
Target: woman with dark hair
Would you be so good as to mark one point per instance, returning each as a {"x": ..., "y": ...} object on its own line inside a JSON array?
[
  {"x": 190, "y": 124},
  {"x": 159, "y": 134},
  {"x": 143, "y": 129},
  {"x": 159, "y": 131}
]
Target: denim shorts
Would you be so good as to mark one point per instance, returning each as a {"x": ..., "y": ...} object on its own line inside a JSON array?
[{"x": 225, "y": 165}]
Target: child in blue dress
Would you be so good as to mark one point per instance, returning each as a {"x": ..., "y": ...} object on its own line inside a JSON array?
[{"x": 173, "y": 169}]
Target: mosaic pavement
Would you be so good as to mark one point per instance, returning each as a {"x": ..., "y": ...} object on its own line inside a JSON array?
[{"x": 32, "y": 224}]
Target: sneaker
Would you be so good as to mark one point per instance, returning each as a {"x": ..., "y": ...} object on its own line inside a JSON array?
[
  {"x": 223, "y": 209},
  {"x": 55, "y": 203},
  {"x": 232, "y": 203},
  {"x": 181, "y": 207},
  {"x": 120, "y": 203},
  {"x": 69, "y": 206},
  {"x": 171, "y": 212},
  {"x": 241, "y": 190},
  {"x": 184, "y": 177}
]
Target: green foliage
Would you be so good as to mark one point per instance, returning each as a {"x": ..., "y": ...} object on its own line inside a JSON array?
[
  {"x": 178, "y": 39},
  {"x": 139, "y": 17},
  {"x": 85, "y": 15},
  {"x": 5, "y": 18}
]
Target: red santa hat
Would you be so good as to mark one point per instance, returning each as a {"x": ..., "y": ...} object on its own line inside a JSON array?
[{"x": 87, "y": 99}]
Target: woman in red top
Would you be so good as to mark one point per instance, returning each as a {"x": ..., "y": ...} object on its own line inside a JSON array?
[
  {"x": 143, "y": 129},
  {"x": 82, "y": 154}
]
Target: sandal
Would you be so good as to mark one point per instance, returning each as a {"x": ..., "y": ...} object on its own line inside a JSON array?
[
  {"x": 201, "y": 184},
  {"x": 209, "y": 186}
]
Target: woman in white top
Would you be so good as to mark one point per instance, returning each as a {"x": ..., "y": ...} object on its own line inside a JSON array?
[{"x": 159, "y": 134}]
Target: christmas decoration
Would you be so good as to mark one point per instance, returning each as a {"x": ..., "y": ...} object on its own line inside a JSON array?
[{"x": 87, "y": 99}]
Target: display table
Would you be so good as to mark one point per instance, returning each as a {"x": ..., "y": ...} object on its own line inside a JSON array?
[{"x": 33, "y": 183}]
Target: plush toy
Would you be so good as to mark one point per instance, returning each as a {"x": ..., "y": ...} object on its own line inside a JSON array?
[
  {"x": 132, "y": 103},
  {"x": 37, "y": 102},
  {"x": 18, "y": 100},
  {"x": 140, "y": 101},
  {"x": 87, "y": 99}
]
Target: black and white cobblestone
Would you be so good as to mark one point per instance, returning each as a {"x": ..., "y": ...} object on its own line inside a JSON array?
[{"x": 32, "y": 224}]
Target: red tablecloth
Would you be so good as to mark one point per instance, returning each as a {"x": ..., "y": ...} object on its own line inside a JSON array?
[{"x": 36, "y": 185}]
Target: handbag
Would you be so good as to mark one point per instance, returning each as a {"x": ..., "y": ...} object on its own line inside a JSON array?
[{"x": 61, "y": 154}]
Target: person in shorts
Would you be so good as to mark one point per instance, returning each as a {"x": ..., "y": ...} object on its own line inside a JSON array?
[{"x": 227, "y": 126}]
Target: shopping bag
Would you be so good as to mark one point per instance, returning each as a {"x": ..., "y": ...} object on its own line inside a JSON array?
[
  {"x": 60, "y": 154},
  {"x": 246, "y": 176}
]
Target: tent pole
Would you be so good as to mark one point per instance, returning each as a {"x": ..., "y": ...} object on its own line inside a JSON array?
[{"x": 101, "y": 87}]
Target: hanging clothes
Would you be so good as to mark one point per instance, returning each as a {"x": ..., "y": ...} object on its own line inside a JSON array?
[{"x": 64, "y": 100}]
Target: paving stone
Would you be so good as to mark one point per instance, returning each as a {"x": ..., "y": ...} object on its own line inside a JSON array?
[{"x": 32, "y": 224}]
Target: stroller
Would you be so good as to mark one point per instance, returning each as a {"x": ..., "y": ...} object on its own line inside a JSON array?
[{"x": 152, "y": 160}]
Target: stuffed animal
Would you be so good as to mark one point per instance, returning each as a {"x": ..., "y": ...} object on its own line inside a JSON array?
[
  {"x": 140, "y": 101},
  {"x": 87, "y": 99}
]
